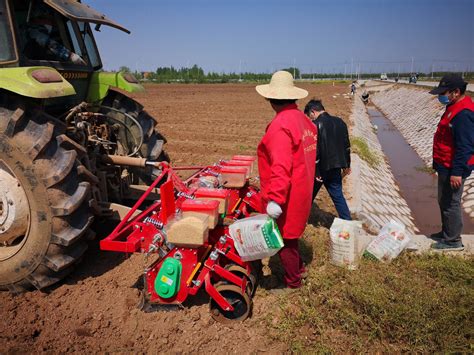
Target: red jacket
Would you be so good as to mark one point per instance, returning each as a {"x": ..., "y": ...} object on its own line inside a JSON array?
[
  {"x": 286, "y": 162},
  {"x": 443, "y": 143}
]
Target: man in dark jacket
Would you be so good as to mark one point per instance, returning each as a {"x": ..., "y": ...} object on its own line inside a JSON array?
[
  {"x": 334, "y": 155},
  {"x": 453, "y": 158}
]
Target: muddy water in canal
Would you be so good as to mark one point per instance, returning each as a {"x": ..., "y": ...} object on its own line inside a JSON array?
[{"x": 417, "y": 186}]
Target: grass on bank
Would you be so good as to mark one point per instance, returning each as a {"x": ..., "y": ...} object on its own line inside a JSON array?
[
  {"x": 416, "y": 303},
  {"x": 360, "y": 147},
  {"x": 425, "y": 169}
]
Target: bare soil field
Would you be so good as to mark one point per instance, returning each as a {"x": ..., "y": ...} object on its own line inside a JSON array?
[
  {"x": 94, "y": 309},
  {"x": 204, "y": 123}
]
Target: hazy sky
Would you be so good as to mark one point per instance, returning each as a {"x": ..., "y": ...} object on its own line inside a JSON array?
[{"x": 266, "y": 35}]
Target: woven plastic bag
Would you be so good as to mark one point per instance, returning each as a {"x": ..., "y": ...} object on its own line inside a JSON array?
[
  {"x": 256, "y": 237},
  {"x": 389, "y": 243},
  {"x": 344, "y": 247}
]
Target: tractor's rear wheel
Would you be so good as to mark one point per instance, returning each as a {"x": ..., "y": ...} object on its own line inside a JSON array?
[
  {"x": 44, "y": 208},
  {"x": 153, "y": 140}
]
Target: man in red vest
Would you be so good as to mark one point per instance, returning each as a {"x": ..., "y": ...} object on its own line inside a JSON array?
[
  {"x": 286, "y": 164},
  {"x": 453, "y": 158}
]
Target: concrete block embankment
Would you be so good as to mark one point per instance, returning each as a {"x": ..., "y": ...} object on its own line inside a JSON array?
[
  {"x": 416, "y": 114},
  {"x": 375, "y": 197}
]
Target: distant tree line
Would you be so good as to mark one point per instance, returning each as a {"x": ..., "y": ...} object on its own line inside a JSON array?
[{"x": 196, "y": 74}]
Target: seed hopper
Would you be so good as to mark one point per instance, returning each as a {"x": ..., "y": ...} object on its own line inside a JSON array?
[{"x": 184, "y": 229}]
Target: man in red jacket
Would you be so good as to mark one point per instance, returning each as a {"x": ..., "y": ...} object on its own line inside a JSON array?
[
  {"x": 286, "y": 165},
  {"x": 453, "y": 158}
]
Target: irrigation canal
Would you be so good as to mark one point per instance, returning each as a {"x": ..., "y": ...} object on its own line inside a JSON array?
[{"x": 417, "y": 185}]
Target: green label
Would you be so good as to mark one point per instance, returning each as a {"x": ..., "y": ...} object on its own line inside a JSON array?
[
  {"x": 369, "y": 256},
  {"x": 272, "y": 234}
]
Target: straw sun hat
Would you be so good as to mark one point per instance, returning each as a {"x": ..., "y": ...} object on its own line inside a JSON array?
[{"x": 281, "y": 87}]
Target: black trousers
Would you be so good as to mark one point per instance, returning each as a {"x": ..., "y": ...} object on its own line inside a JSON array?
[{"x": 332, "y": 181}]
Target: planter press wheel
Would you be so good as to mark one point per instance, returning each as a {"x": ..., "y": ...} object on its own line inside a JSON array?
[
  {"x": 242, "y": 272},
  {"x": 240, "y": 301}
]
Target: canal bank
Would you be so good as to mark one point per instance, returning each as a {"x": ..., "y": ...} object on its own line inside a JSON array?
[
  {"x": 416, "y": 113},
  {"x": 418, "y": 185},
  {"x": 374, "y": 195},
  {"x": 373, "y": 191}
]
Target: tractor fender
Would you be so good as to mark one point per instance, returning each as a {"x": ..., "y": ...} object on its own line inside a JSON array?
[
  {"x": 36, "y": 82},
  {"x": 101, "y": 82}
]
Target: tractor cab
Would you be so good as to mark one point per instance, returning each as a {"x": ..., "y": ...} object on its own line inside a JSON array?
[
  {"x": 48, "y": 31},
  {"x": 55, "y": 34}
]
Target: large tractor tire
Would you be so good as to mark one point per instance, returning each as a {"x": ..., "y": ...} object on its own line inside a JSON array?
[
  {"x": 153, "y": 141},
  {"x": 44, "y": 200}
]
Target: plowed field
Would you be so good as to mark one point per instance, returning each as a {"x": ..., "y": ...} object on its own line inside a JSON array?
[{"x": 94, "y": 309}]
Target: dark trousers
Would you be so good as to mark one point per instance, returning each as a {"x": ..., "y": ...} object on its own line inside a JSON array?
[
  {"x": 449, "y": 201},
  {"x": 332, "y": 181},
  {"x": 292, "y": 263}
]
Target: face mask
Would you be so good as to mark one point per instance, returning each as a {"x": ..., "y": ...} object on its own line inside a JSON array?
[{"x": 444, "y": 99}]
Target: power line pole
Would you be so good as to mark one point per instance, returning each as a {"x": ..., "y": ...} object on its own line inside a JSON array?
[
  {"x": 294, "y": 68},
  {"x": 412, "y": 64},
  {"x": 352, "y": 66}
]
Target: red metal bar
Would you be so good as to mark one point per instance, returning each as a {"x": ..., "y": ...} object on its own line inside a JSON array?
[
  {"x": 194, "y": 175},
  {"x": 235, "y": 258},
  {"x": 178, "y": 183},
  {"x": 188, "y": 168},
  {"x": 201, "y": 279},
  {"x": 168, "y": 206},
  {"x": 131, "y": 245},
  {"x": 140, "y": 201},
  {"x": 229, "y": 276},
  {"x": 136, "y": 236},
  {"x": 216, "y": 296}
]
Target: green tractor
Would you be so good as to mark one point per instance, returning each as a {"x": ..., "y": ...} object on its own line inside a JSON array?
[{"x": 60, "y": 114}]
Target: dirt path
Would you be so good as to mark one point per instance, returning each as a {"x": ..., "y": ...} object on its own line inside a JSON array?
[{"x": 94, "y": 310}]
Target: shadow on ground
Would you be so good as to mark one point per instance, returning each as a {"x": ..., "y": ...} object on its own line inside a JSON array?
[
  {"x": 94, "y": 262},
  {"x": 275, "y": 279},
  {"x": 319, "y": 217}
]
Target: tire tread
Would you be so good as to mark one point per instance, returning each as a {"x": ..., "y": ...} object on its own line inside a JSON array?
[{"x": 54, "y": 160}]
